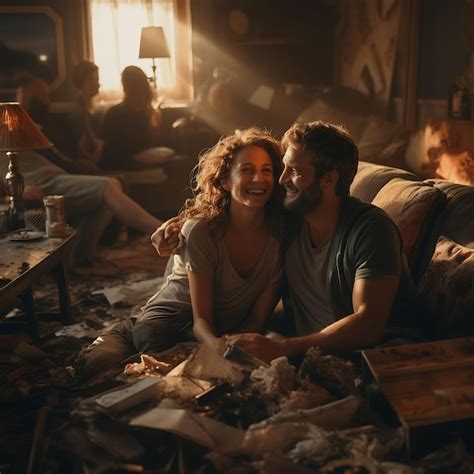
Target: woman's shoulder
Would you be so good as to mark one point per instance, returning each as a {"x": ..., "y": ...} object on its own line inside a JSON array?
[{"x": 195, "y": 227}]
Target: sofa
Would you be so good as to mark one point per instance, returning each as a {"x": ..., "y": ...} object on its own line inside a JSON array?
[{"x": 436, "y": 221}]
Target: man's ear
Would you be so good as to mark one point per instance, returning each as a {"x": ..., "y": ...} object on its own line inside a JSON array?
[{"x": 330, "y": 179}]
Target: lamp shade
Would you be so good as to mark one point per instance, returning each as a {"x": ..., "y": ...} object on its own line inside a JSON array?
[
  {"x": 18, "y": 132},
  {"x": 153, "y": 43}
]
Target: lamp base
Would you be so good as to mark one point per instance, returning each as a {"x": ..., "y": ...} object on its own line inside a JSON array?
[{"x": 16, "y": 186}]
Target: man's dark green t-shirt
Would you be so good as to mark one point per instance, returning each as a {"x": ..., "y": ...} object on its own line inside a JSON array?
[{"x": 366, "y": 243}]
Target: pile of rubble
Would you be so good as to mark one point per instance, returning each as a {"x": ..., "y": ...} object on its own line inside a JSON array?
[{"x": 191, "y": 409}]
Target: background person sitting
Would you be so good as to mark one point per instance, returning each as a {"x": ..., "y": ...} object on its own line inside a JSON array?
[
  {"x": 131, "y": 128},
  {"x": 34, "y": 95},
  {"x": 90, "y": 200},
  {"x": 83, "y": 123}
]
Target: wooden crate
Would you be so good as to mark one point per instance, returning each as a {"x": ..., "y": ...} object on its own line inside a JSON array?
[{"x": 430, "y": 387}]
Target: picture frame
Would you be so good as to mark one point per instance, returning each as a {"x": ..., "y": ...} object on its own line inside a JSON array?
[{"x": 32, "y": 42}]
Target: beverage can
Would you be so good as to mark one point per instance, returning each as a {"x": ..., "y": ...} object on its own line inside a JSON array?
[{"x": 55, "y": 216}]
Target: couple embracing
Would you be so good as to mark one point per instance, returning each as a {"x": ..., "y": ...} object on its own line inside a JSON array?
[{"x": 339, "y": 261}]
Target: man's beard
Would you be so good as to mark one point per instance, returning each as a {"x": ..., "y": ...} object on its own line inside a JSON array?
[{"x": 305, "y": 201}]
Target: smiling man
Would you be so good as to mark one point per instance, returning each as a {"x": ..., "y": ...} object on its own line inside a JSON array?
[
  {"x": 348, "y": 280},
  {"x": 349, "y": 285}
]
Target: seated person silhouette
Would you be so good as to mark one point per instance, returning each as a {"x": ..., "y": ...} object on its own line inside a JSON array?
[
  {"x": 90, "y": 200},
  {"x": 131, "y": 128},
  {"x": 83, "y": 122},
  {"x": 34, "y": 95}
]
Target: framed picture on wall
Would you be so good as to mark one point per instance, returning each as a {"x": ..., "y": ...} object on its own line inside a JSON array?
[{"x": 31, "y": 42}]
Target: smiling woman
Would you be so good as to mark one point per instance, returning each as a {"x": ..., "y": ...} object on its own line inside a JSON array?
[{"x": 228, "y": 275}]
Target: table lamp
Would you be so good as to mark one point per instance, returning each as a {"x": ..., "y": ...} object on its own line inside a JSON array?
[
  {"x": 18, "y": 132},
  {"x": 153, "y": 45}
]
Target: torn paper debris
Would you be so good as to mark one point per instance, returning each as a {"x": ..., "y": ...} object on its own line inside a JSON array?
[
  {"x": 206, "y": 364},
  {"x": 200, "y": 429},
  {"x": 134, "y": 293},
  {"x": 184, "y": 388},
  {"x": 262, "y": 96},
  {"x": 78, "y": 331},
  {"x": 331, "y": 416},
  {"x": 119, "y": 400},
  {"x": 278, "y": 437},
  {"x": 276, "y": 380}
]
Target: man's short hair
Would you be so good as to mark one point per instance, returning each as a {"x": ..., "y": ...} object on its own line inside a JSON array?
[
  {"x": 331, "y": 147},
  {"x": 81, "y": 71}
]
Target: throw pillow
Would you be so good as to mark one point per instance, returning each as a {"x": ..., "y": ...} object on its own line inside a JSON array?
[
  {"x": 411, "y": 205},
  {"x": 446, "y": 289}
]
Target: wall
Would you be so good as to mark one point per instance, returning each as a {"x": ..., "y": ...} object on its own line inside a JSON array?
[
  {"x": 272, "y": 41},
  {"x": 446, "y": 42}
]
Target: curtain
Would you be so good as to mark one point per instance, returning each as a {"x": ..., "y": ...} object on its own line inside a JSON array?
[{"x": 116, "y": 28}]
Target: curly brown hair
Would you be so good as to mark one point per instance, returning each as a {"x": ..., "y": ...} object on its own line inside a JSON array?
[{"x": 211, "y": 201}]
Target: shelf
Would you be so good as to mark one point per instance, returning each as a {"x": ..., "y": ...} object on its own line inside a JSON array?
[{"x": 264, "y": 42}]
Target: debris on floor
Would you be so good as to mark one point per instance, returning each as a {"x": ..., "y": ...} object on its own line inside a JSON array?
[{"x": 189, "y": 409}]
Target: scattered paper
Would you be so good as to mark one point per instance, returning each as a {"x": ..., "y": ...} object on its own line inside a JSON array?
[
  {"x": 207, "y": 364},
  {"x": 135, "y": 293},
  {"x": 184, "y": 388},
  {"x": 200, "y": 429},
  {"x": 119, "y": 400},
  {"x": 78, "y": 331},
  {"x": 262, "y": 97},
  {"x": 276, "y": 380},
  {"x": 331, "y": 416}
]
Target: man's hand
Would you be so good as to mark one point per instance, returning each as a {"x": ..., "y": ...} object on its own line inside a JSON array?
[
  {"x": 167, "y": 239},
  {"x": 257, "y": 345},
  {"x": 219, "y": 345}
]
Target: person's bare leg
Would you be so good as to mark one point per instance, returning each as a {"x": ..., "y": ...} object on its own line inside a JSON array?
[{"x": 127, "y": 210}]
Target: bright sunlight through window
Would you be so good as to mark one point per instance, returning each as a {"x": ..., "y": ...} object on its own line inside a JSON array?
[{"x": 116, "y": 28}]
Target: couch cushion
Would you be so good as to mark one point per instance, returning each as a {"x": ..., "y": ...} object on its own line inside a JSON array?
[
  {"x": 412, "y": 205},
  {"x": 446, "y": 289},
  {"x": 370, "y": 178},
  {"x": 455, "y": 221}
]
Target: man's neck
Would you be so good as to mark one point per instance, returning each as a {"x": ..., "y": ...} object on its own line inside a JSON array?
[{"x": 323, "y": 220}]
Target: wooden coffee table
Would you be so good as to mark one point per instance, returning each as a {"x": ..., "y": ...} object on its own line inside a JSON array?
[
  {"x": 22, "y": 263},
  {"x": 430, "y": 387}
]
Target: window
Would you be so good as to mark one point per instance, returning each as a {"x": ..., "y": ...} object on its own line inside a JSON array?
[
  {"x": 115, "y": 28},
  {"x": 31, "y": 43}
]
